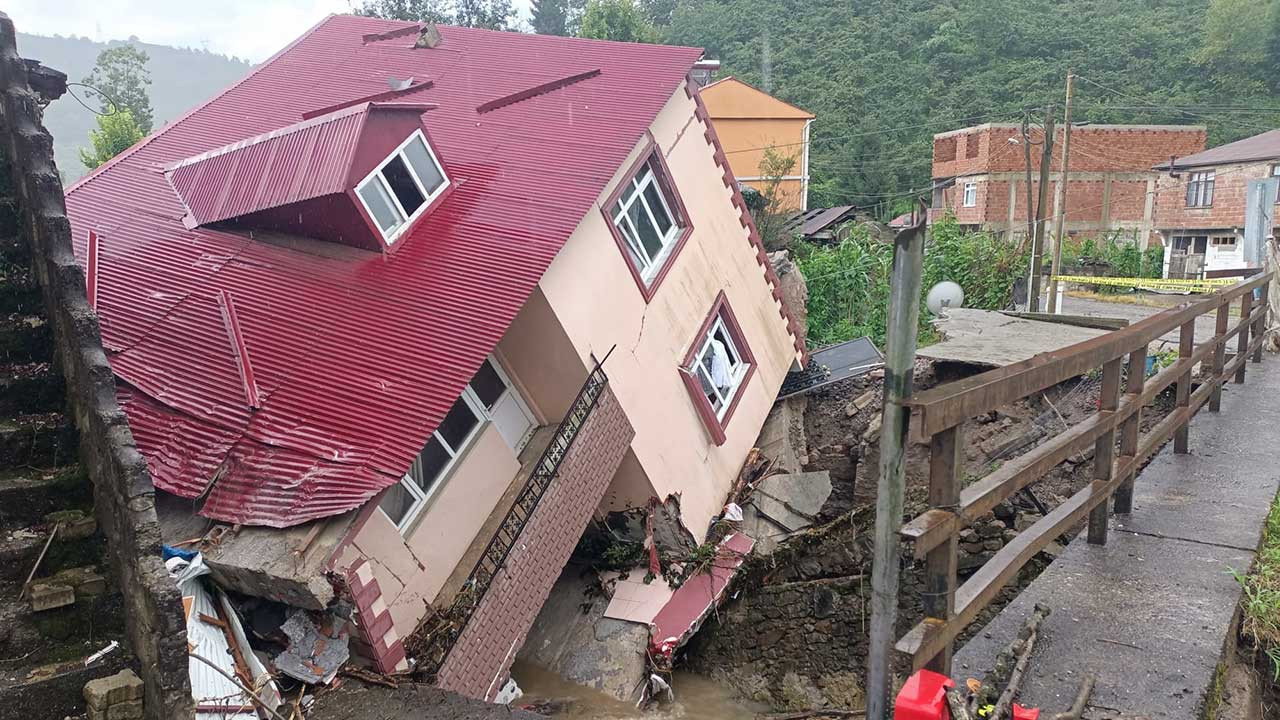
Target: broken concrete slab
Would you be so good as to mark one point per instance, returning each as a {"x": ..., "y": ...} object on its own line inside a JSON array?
[
  {"x": 783, "y": 505},
  {"x": 572, "y": 638},
  {"x": 993, "y": 339},
  {"x": 86, "y": 581},
  {"x": 50, "y": 595},
  {"x": 113, "y": 689},
  {"x": 783, "y": 437},
  {"x": 285, "y": 565},
  {"x": 72, "y": 524},
  {"x": 315, "y": 652}
]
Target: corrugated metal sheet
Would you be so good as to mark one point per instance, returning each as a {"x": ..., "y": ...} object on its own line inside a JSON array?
[
  {"x": 305, "y": 160},
  {"x": 356, "y": 355}
]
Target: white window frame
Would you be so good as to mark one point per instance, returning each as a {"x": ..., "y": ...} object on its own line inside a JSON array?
[
  {"x": 1200, "y": 186},
  {"x": 375, "y": 175},
  {"x": 618, "y": 216},
  {"x": 970, "y": 198},
  {"x": 1275, "y": 173},
  {"x": 738, "y": 371},
  {"x": 421, "y": 498}
]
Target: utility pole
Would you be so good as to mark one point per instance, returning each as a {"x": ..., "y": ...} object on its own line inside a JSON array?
[
  {"x": 899, "y": 368},
  {"x": 1060, "y": 201},
  {"x": 1033, "y": 279},
  {"x": 1037, "y": 249}
]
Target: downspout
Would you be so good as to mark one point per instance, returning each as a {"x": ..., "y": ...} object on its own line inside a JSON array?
[{"x": 804, "y": 169}]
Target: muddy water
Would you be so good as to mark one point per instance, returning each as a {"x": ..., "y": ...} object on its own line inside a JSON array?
[{"x": 696, "y": 697}]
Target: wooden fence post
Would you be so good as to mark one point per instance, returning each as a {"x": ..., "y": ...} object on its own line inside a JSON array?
[
  {"x": 1129, "y": 428},
  {"x": 1260, "y": 327},
  {"x": 1242, "y": 344},
  {"x": 1219, "y": 356},
  {"x": 945, "y": 463},
  {"x": 1104, "y": 449},
  {"x": 1186, "y": 346}
]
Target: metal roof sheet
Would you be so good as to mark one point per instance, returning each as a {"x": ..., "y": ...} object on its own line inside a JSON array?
[
  {"x": 1263, "y": 146},
  {"x": 356, "y": 355}
]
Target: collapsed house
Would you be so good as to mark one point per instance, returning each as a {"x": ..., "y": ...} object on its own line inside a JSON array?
[{"x": 396, "y": 315}]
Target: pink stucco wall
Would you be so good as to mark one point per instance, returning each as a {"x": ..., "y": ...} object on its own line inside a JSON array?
[{"x": 599, "y": 304}]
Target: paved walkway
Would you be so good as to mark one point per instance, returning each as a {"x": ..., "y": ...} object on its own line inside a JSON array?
[{"x": 1150, "y": 613}]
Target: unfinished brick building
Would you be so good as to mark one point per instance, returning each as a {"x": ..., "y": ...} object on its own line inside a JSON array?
[{"x": 979, "y": 175}]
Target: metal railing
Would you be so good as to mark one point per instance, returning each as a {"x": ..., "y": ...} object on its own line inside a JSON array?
[
  {"x": 939, "y": 413},
  {"x": 435, "y": 637}
]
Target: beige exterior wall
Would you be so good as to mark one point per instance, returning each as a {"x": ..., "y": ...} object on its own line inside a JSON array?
[
  {"x": 598, "y": 303},
  {"x": 412, "y": 568},
  {"x": 541, "y": 360}
]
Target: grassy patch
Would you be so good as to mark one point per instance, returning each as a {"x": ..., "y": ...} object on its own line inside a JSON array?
[{"x": 1261, "y": 604}]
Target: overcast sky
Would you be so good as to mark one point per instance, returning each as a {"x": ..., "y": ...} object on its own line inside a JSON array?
[{"x": 250, "y": 29}]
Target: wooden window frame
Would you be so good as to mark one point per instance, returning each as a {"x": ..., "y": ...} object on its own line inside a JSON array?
[
  {"x": 720, "y": 310},
  {"x": 680, "y": 216}
]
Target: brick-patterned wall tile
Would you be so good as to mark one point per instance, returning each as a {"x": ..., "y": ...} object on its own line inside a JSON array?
[{"x": 482, "y": 656}]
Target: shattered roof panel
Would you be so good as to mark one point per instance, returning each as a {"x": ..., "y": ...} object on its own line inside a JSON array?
[
  {"x": 815, "y": 220},
  {"x": 356, "y": 355}
]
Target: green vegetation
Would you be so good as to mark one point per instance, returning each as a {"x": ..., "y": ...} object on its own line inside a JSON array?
[
  {"x": 490, "y": 14},
  {"x": 116, "y": 133},
  {"x": 121, "y": 76},
  {"x": 884, "y": 75},
  {"x": 1261, "y": 616},
  {"x": 849, "y": 282},
  {"x": 982, "y": 263},
  {"x": 621, "y": 20},
  {"x": 180, "y": 79}
]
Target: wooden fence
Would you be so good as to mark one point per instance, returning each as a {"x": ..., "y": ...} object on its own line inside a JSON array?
[{"x": 939, "y": 413}]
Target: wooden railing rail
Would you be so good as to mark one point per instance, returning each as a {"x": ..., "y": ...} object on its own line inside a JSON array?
[{"x": 939, "y": 413}]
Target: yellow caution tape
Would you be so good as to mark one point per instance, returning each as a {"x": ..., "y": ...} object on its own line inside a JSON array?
[{"x": 1195, "y": 286}]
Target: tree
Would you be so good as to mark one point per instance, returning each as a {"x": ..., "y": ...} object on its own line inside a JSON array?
[
  {"x": 488, "y": 14},
  {"x": 116, "y": 133},
  {"x": 122, "y": 77},
  {"x": 550, "y": 17},
  {"x": 769, "y": 214},
  {"x": 436, "y": 11},
  {"x": 620, "y": 20}
]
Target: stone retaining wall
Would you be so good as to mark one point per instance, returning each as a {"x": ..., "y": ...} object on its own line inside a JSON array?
[{"x": 123, "y": 492}]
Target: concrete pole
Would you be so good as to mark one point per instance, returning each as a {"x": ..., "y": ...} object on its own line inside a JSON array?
[
  {"x": 1033, "y": 279},
  {"x": 1042, "y": 205},
  {"x": 1060, "y": 201},
  {"x": 899, "y": 367}
]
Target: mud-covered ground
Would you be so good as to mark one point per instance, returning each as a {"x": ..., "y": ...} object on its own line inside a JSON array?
[{"x": 794, "y": 636}]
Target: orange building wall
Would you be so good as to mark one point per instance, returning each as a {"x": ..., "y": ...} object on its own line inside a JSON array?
[{"x": 747, "y": 121}]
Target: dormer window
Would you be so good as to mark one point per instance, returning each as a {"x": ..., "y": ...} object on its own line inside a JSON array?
[{"x": 399, "y": 189}]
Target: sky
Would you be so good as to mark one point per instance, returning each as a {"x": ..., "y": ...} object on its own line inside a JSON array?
[{"x": 249, "y": 29}]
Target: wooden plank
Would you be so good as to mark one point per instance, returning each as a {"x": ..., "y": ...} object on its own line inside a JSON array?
[
  {"x": 1131, "y": 425},
  {"x": 1186, "y": 346},
  {"x": 945, "y": 463},
  {"x": 1105, "y": 447},
  {"x": 1086, "y": 321},
  {"x": 952, "y": 403},
  {"x": 928, "y": 638}
]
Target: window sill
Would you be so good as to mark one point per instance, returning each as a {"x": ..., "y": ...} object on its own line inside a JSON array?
[{"x": 716, "y": 426}]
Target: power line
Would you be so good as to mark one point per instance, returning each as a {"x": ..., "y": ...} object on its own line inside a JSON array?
[{"x": 1164, "y": 106}]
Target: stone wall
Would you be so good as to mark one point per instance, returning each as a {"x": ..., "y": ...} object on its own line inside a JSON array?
[{"x": 123, "y": 493}]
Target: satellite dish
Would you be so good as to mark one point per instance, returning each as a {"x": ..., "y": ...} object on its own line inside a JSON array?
[{"x": 942, "y": 296}]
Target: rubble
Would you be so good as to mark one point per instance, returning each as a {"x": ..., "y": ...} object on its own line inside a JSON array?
[{"x": 783, "y": 505}]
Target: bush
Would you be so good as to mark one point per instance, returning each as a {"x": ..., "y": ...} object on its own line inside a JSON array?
[
  {"x": 849, "y": 282},
  {"x": 848, "y": 288},
  {"x": 984, "y": 265}
]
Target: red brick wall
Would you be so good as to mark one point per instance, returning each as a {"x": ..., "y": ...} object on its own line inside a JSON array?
[
  {"x": 1093, "y": 149},
  {"x": 1084, "y": 201},
  {"x": 481, "y": 659},
  {"x": 1231, "y": 184}
]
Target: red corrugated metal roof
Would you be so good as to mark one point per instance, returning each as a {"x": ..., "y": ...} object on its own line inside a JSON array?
[{"x": 356, "y": 355}]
